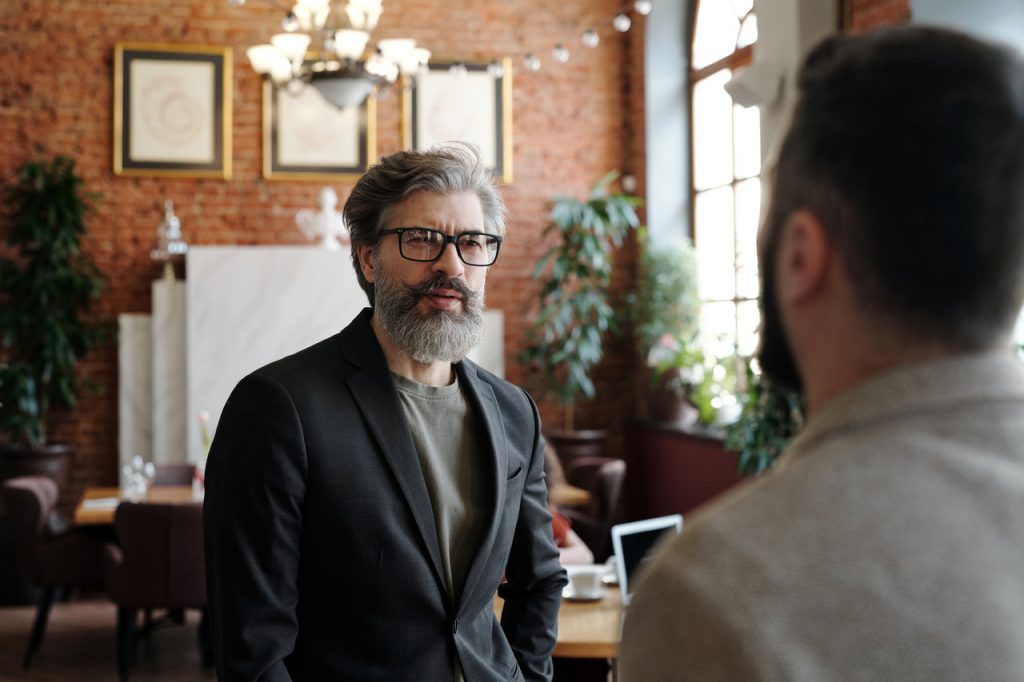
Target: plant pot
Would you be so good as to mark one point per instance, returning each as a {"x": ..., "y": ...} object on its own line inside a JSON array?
[
  {"x": 664, "y": 404},
  {"x": 49, "y": 460},
  {"x": 572, "y": 444}
]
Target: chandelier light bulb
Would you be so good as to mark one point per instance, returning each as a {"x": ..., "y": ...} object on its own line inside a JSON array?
[
  {"x": 643, "y": 7},
  {"x": 560, "y": 54},
  {"x": 590, "y": 38},
  {"x": 339, "y": 68},
  {"x": 290, "y": 23},
  {"x": 531, "y": 62},
  {"x": 495, "y": 69},
  {"x": 621, "y": 22}
]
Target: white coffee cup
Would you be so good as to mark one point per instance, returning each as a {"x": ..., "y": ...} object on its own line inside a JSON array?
[{"x": 585, "y": 580}]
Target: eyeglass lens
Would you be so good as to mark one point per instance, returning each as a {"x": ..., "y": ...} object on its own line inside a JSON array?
[{"x": 474, "y": 248}]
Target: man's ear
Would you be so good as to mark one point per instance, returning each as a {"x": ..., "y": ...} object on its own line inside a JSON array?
[
  {"x": 804, "y": 257},
  {"x": 366, "y": 261}
]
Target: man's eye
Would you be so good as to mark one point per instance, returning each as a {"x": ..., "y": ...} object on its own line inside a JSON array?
[{"x": 419, "y": 237}]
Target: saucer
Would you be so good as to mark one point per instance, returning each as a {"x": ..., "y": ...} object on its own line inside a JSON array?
[{"x": 569, "y": 593}]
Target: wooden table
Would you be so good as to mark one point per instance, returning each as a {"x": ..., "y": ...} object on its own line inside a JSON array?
[
  {"x": 565, "y": 495},
  {"x": 587, "y": 629},
  {"x": 86, "y": 515}
]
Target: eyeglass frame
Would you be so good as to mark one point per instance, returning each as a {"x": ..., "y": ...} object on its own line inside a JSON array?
[{"x": 446, "y": 240}]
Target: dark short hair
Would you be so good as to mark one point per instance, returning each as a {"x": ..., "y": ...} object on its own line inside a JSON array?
[
  {"x": 448, "y": 168},
  {"x": 908, "y": 145}
]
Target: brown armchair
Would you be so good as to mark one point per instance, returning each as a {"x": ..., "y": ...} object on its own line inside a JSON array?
[
  {"x": 157, "y": 564},
  {"x": 603, "y": 478},
  {"x": 54, "y": 562}
]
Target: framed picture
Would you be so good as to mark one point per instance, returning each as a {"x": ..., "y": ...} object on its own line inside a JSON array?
[
  {"x": 307, "y": 138},
  {"x": 172, "y": 110},
  {"x": 475, "y": 106}
]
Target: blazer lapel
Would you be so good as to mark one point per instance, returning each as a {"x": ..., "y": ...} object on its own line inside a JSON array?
[
  {"x": 375, "y": 395},
  {"x": 493, "y": 445}
]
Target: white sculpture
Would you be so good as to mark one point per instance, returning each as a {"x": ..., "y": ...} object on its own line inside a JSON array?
[{"x": 327, "y": 224}]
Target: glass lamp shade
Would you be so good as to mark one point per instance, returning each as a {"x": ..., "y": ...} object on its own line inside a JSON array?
[
  {"x": 377, "y": 65},
  {"x": 262, "y": 57},
  {"x": 343, "y": 91},
  {"x": 350, "y": 43},
  {"x": 414, "y": 60},
  {"x": 267, "y": 60},
  {"x": 396, "y": 50},
  {"x": 363, "y": 14},
  {"x": 314, "y": 6},
  {"x": 292, "y": 45},
  {"x": 312, "y": 14}
]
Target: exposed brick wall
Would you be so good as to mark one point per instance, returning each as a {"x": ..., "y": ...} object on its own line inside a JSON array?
[
  {"x": 573, "y": 123},
  {"x": 863, "y": 15},
  {"x": 56, "y": 98}
]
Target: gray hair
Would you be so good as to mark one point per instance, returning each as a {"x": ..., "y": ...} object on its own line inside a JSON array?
[{"x": 448, "y": 168}]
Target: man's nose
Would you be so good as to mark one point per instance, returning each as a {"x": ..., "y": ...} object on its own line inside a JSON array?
[{"x": 449, "y": 262}]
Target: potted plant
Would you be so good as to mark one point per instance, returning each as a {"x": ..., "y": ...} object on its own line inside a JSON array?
[
  {"x": 46, "y": 290},
  {"x": 574, "y": 310},
  {"x": 769, "y": 419},
  {"x": 665, "y": 311}
]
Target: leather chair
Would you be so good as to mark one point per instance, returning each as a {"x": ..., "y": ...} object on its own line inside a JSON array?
[
  {"x": 54, "y": 562},
  {"x": 157, "y": 564},
  {"x": 603, "y": 478}
]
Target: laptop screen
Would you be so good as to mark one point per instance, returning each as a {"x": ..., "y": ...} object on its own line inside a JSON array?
[{"x": 633, "y": 543}]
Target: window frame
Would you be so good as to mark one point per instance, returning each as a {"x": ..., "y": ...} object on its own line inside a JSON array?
[{"x": 740, "y": 57}]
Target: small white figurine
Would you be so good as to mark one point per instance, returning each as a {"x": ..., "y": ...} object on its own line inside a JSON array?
[
  {"x": 170, "y": 247},
  {"x": 327, "y": 224}
]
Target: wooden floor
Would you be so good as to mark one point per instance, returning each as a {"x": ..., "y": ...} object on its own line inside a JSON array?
[{"x": 80, "y": 645}]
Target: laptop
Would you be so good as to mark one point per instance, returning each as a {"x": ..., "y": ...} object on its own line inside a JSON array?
[{"x": 633, "y": 542}]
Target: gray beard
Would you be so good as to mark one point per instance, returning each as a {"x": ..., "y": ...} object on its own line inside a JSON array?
[{"x": 438, "y": 336}]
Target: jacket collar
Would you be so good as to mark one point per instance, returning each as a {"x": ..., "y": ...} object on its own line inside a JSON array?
[{"x": 377, "y": 399}]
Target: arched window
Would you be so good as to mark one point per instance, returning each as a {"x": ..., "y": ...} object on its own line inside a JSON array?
[{"x": 726, "y": 187}]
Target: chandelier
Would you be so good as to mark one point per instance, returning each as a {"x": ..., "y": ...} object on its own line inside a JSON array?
[{"x": 338, "y": 34}]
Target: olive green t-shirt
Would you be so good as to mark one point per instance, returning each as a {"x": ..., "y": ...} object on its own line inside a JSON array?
[{"x": 444, "y": 433}]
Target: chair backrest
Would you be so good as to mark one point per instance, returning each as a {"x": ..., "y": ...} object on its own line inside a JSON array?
[
  {"x": 603, "y": 477},
  {"x": 28, "y": 501},
  {"x": 174, "y": 474},
  {"x": 160, "y": 563}
]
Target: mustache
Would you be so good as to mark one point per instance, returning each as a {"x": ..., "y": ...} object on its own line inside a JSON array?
[{"x": 429, "y": 286}]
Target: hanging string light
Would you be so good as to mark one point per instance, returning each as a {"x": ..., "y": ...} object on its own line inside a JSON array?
[{"x": 591, "y": 37}]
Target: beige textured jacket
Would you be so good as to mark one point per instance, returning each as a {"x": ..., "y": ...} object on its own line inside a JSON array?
[{"x": 888, "y": 545}]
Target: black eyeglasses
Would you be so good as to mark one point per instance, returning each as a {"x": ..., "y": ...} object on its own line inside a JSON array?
[{"x": 424, "y": 245}]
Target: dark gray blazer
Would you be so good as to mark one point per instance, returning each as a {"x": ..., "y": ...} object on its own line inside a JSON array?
[{"x": 322, "y": 555}]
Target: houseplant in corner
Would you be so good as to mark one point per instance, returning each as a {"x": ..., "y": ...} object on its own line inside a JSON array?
[
  {"x": 574, "y": 309},
  {"x": 46, "y": 290},
  {"x": 665, "y": 311}
]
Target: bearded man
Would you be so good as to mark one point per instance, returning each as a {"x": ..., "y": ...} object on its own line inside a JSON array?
[
  {"x": 888, "y": 543},
  {"x": 366, "y": 496}
]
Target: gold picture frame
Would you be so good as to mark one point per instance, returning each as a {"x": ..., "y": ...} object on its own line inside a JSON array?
[
  {"x": 307, "y": 138},
  {"x": 475, "y": 107},
  {"x": 172, "y": 110}
]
